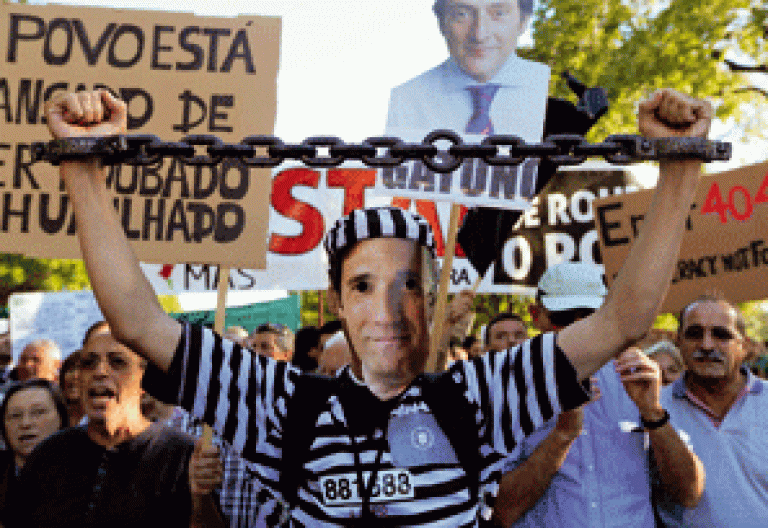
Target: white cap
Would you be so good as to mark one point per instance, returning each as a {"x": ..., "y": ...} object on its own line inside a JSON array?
[
  {"x": 571, "y": 285},
  {"x": 336, "y": 339}
]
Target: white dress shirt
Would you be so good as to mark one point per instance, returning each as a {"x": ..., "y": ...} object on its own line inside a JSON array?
[{"x": 439, "y": 99}]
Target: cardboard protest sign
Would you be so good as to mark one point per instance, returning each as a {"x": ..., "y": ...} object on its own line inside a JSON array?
[
  {"x": 179, "y": 74},
  {"x": 61, "y": 316},
  {"x": 725, "y": 248}
]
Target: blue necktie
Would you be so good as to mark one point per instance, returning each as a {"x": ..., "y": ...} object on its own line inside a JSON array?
[{"x": 482, "y": 96}]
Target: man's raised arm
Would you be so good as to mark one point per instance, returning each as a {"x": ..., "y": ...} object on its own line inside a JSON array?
[
  {"x": 125, "y": 296},
  {"x": 636, "y": 295}
]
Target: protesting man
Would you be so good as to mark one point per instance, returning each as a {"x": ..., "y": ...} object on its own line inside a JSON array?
[
  {"x": 272, "y": 340},
  {"x": 117, "y": 471},
  {"x": 383, "y": 441},
  {"x": 719, "y": 406},
  {"x": 591, "y": 467},
  {"x": 505, "y": 330}
]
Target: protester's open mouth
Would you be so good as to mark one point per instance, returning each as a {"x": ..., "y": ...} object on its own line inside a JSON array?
[
  {"x": 101, "y": 394},
  {"x": 27, "y": 438}
]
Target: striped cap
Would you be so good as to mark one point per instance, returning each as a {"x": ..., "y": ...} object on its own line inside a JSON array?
[{"x": 378, "y": 222}]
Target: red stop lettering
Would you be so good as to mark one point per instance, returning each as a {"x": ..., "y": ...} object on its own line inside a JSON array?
[
  {"x": 311, "y": 220},
  {"x": 354, "y": 182}
]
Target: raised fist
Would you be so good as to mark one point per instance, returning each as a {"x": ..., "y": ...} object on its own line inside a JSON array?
[
  {"x": 78, "y": 114},
  {"x": 668, "y": 113}
]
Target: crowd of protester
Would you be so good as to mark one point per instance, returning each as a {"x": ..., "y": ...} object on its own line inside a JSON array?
[
  {"x": 557, "y": 417},
  {"x": 584, "y": 468}
]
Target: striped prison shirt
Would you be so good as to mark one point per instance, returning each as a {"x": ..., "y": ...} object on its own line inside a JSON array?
[{"x": 400, "y": 463}]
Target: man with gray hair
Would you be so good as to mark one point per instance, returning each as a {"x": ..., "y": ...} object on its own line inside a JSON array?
[
  {"x": 719, "y": 406},
  {"x": 483, "y": 86},
  {"x": 668, "y": 357},
  {"x": 41, "y": 359},
  {"x": 273, "y": 340}
]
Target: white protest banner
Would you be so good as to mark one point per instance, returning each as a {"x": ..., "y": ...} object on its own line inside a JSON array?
[
  {"x": 474, "y": 184},
  {"x": 725, "y": 247},
  {"x": 179, "y": 74},
  {"x": 61, "y": 316},
  {"x": 305, "y": 202},
  {"x": 472, "y": 95}
]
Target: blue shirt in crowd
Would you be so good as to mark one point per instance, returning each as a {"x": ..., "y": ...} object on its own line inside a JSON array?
[
  {"x": 734, "y": 453},
  {"x": 605, "y": 480}
]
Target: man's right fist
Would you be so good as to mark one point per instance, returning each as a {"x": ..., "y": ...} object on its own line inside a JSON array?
[
  {"x": 79, "y": 114},
  {"x": 668, "y": 113}
]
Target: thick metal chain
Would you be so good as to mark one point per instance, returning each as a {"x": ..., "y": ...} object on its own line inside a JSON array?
[{"x": 440, "y": 151}]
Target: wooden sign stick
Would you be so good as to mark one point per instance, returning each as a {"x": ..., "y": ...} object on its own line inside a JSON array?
[
  {"x": 218, "y": 326},
  {"x": 438, "y": 320}
]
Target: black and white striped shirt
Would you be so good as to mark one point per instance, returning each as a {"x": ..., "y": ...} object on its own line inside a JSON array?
[{"x": 246, "y": 398}]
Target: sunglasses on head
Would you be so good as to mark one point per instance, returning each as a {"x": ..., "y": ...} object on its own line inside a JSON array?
[{"x": 718, "y": 332}]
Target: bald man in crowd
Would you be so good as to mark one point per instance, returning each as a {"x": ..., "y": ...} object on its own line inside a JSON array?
[{"x": 39, "y": 359}]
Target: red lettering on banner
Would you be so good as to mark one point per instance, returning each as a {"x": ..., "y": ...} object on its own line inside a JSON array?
[
  {"x": 740, "y": 215},
  {"x": 428, "y": 210},
  {"x": 354, "y": 182},
  {"x": 741, "y": 209},
  {"x": 715, "y": 203},
  {"x": 762, "y": 196},
  {"x": 313, "y": 226}
]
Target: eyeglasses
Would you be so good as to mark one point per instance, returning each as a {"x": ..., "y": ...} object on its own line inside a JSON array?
[
  {"x": 117, "y": 362},
  {"x": 720, "y": 333}
]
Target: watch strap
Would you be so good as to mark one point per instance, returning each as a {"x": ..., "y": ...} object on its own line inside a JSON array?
[{"x": 650, "y": 426}]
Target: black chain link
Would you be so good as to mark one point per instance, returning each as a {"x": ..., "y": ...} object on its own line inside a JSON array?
[{"x": 378, "y": 152}]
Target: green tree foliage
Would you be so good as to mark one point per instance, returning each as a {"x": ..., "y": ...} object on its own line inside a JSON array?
[
  {"x": 22, "y": 274},
  {"x": 633, "y": 47}
]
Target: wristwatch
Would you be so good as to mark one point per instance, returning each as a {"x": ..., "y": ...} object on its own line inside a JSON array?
[{"x": 650, "y": 426}]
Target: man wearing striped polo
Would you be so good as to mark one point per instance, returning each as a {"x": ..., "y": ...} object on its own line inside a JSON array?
[{"x": 380, "y": 448}]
